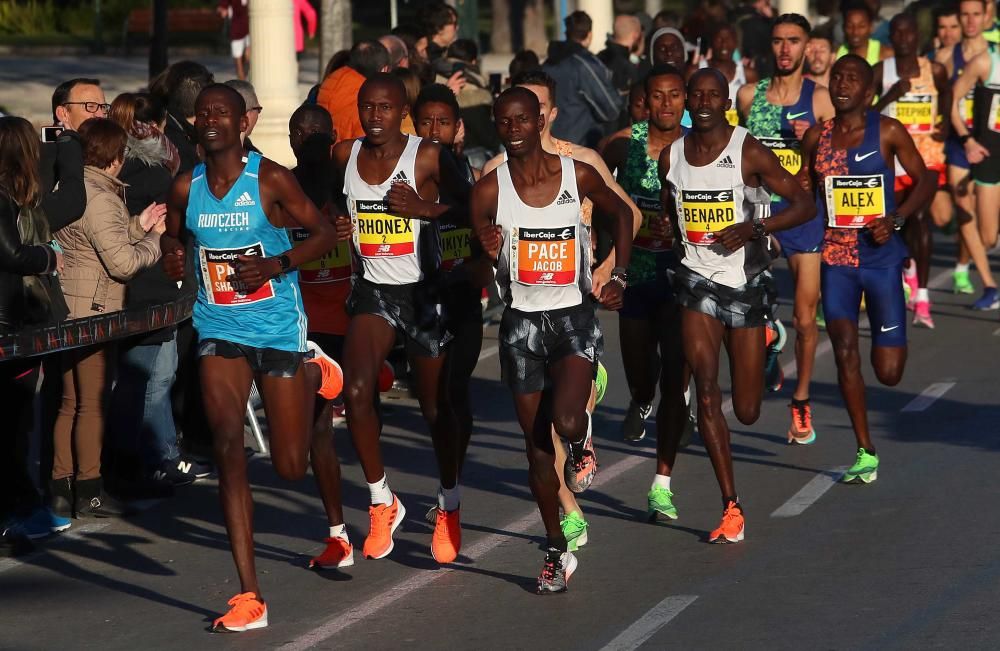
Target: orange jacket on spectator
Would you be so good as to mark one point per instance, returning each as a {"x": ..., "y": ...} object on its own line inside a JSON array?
[{"x": 338, "y": 94}]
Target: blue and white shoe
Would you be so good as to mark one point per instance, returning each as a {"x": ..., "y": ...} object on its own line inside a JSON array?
[
  {"x": 990, "y": 300},
  {"x": 40, "y": 523}
]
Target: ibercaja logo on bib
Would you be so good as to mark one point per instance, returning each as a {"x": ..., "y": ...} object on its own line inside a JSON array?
[
  {"x": 546, "y": 256},
  {"x": 217, "y": 275}
]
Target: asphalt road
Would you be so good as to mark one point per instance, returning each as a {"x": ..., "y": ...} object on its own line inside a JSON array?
[{"x": 904, "y": 563}]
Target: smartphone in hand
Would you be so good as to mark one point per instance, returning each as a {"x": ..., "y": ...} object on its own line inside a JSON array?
[{"x": 49, "y": 134}]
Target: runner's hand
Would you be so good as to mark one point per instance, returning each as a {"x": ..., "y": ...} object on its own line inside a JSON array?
[
  {"x": 612, "y": 296},
  {"x": 975, "y": 152},
  {"x": 881, "y": 229},
  {"x": 344, "y": 227},
  {"x": 600, "y": 277},
  {"x": 173, "y": 258},
  {"x": 660, "y": 228},
  {"x": 253, "y": 271},
  {"x": 404, "y": 201},
  {"x": 735, "y": 236},
  {"x": 800, "y": 127},
  {"x": 154, "y": 212},
  {"x": 899, "y": 89},
  {"x": 490, "y": 238}
]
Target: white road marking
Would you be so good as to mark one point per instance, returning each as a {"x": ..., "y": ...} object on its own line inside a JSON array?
[
  {"x": 646, "y": 626},
  {"x": 73, "y": 533},
  {"x": 996, "y": 333},
  {"x": 809, "y": 493},
  {"x": 488, "y": 352},
  {"x": 928, "y": 396}
]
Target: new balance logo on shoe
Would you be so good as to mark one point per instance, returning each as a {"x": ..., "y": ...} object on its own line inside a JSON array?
[
  {"x": 565, "y": 198},
  {"x": 245, "y": 200},
  {"x": 726, "y": 162}
]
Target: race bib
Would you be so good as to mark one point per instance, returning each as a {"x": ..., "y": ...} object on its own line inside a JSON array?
[
  {"x": 788, "y": 151},
  {"x": 994, "y": 121},
  {"x": 645, "y": 239},
  {"x": 381, "y": 234},
  {"x": 965, "y": 109},
  {"x": 854, "y": 201},
  {"x": 544, "y": 256},
  {"x": 455, "y": 246},
  {"x": 216, "y": 276},
  {"x": 733, "y": 117},
  {"x": 917, "y": 112},
  {"x": 704, "y": 213},
  {"x": 335, "y": 266}
]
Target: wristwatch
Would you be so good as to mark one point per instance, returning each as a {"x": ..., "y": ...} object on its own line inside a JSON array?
[
  {"x": 284, "y": 262},
  {"x": 758, "y": 228},
  {"x": 620, "y": 276},
  {"x": 898, "y": 221},
  {"x": 964, "y": 139}
]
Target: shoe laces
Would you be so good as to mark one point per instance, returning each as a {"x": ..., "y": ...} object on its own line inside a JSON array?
[
  {"x": 377, "y": 513},
  {"x": 442, "y": 523},
  {"x": 733, "y": 511},
  {"x": 551, "y": 566},
  {"x": 801, "y": 414},
  {"x": 244, "y": 599}
]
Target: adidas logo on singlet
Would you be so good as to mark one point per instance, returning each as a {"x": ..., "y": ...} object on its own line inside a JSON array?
[
  {"x": 244, "y": 200},
  {"x": 726, "y": 162},
  {"x": 565, "y": 198},
  {"x": 399, "y": 178}
]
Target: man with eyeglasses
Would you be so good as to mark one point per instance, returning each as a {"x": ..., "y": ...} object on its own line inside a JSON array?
[{"x": 246, "y": 89}]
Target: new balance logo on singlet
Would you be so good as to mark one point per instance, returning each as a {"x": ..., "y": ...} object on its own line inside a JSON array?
[
  {"x": 565, "y": 198},
  {"x": 244, "y": 200},
  {"x": 726, "y": 162}
]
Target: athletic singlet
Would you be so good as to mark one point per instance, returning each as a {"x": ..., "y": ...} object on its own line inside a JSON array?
[
  {"x": 456, "y": 240},
  {"x": 916, "y": 110},
  {"x": 543, "y": 256},
  {"x": 565, "y": 148},
  {"x": 986, "y": 123},
  {"x": 223, "y": 229},
  {"x": 871, "y": 56},
  {"x": 325, "y": 284},
  {"x": 640, "y": 181},
  {"x": 854, "y": 187},
  {"x": 708, "y": 199},
  {"x": 393, "y": 249}
]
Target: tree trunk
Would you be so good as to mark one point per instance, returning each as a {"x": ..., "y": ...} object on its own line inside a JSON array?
[
  {"x": 534, "y": 27},
  {"x": 335, "y": 30},
  {"x": 500, "y": 38}
]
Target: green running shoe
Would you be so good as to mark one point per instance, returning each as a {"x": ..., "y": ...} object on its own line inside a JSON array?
[
  {"x": 864, "y": 470},
  {"x": 962, "y": 283},
  {"x": 574, "y": 528},
  {"x": 660, "y": 501},
  {"x": 820, "y": 317},
  {"x": 602, "y": 383}
]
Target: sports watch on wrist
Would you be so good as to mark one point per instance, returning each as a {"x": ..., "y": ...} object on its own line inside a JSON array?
[
  {"x": 284, "y": 262},
  {"x": 758, "y": 228},
  {"x": 620, "y": 276},
  {"x": 898, "y": 221}
]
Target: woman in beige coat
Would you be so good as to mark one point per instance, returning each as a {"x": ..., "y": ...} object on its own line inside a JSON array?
[{"x": 102, "y": 250}]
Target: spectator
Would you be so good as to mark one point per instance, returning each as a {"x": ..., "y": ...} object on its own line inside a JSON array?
[
  {"x": 668, "y": 47},
  {"x": 338, "y": 93},
  {"x": 103, "y": 250},
  {"x": 22, "y": 515},
  {"x": 411, "y": 82},
  {"x": 61, "y": 165},
  {"x": 440, "y": 23},
  {"x": 524, "y": 61},
  {"x": 666, "y": 18},
  {"x": 621, "y": 58},
  {"x": 254, "y": 109},
  {"x": 475, "y": 99},
  {"x": 588, "y": 102},
  {"x": 178, "y": 86},
  {"x": 399, "y": 54},
  {"x": 144, "y": 438},
  {"x": 239, "y": 33},
  {"x": 303, "y": 11},
  {"x": 416, "y": 41},
  {"x": 754, "y": 18}
]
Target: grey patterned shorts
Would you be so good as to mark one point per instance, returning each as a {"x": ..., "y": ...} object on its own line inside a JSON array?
[
  {"x": 749, "y": 306},
  {"x": 413, "y": 310},
  {"x": 530, "y": 341}
]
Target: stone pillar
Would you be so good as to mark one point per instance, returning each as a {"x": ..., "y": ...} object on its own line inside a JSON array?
[
  {"x": 800, "y": 7},
  {"x": 653, "y": 7},
  {"x": 274, "y": 73},
  {"x": 602, "y": 13}
]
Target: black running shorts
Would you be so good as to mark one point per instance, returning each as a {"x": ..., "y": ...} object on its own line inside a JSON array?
[
  {"x": 263, "y": 361},
  {"x": 413, "y": 310},
  {"x": 987, "y": 172},
  {"x": 530, "y": 341},
  {"x": 748, "y": 306}
]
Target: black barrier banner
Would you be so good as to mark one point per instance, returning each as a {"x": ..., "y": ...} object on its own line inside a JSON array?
[{"x": 75, "y": 333}]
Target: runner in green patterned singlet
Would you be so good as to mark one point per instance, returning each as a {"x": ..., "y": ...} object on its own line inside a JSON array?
[{"x": 649, "y": 322}]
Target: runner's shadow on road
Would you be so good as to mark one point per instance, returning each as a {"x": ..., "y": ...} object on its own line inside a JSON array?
[{"x": 526, "y": 583}]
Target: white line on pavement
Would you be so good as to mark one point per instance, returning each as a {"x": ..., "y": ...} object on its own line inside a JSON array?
[
  {"x": 646, "y": 626},
  {"x": 996, "y": 333},
  {"x": 809, "y": 493},
  {"x": 488, "y": 352},
  {"x": 928, "y": 396}
]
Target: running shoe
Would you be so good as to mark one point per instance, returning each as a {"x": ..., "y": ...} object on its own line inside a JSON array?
[
  {"x": 731, "y": 528},
  {"x": 660, "y": 501},
  {"x": 990, "y": 300},
  {"x": 385, "y": 519},
  {"x": 38, "y": 524},
  {"x": 247, "y": 613},
  {"x": 332, "y": 382},
  {"x": 181, "y": 472},
  {"x": 775, "y": 338},
  {"x": 922, "y": 315},
  {"x": 432, "y": 515},
  {"x": 962, "y": 284},
  {"x": 634, "y": 425},
  {"x": 820, "y": 317},
  {"x": 338, "y": 553},
  {"x": 558, "y": 567},
  {"x": 581, "y": 463},
  {"x": 864, "y": 470},
  {"x": 574, "y": 528},
  {"x": 801, "y": 430},
  {"x": 447, "y": 539},
  {"x": 910, "y": 287},
  {"x": 601, "y": 383}
]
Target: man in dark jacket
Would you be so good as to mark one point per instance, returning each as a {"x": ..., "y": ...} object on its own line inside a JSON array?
[
  {"x": 588, "y": 103},
  {"x": 619, "y": 56},
  {"x": 179, "y": 90}
]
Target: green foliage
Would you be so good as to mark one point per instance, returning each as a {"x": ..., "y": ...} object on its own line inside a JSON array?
[{"x": 29, "y": 18}]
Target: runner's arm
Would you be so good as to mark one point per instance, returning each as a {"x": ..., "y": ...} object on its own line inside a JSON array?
[
  {"x": 822, "y": 105},
  {"x": 744, "y": 100},
  {"x": 974, "y": 72},
  {"x": 805, "y": 174},
  {"x": 444, "y": 172},
  {"x": 591, "y": 157},
  {"x": 482, "y": 215},
  {"x": 940, "y": 74},
  {"x": 172, "y": 240},
  {"x": 341, "y": 156},
  {"x": 593, "y": 186}
]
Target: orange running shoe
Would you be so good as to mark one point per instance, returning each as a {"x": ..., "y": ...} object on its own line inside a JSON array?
[
  {"x": 801, "y": 430},
  {"x": 385, "y": 519},
  {"x": 332, "y": 376},
  {"x": 247, "y": 613},
  {"x": 338, "y": 553},
  {"x": 731, "y": 529},
  {"x": 447, "y": 539}
]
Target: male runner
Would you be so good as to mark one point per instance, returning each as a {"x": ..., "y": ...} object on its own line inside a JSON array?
[
  {"x": 981, "y": 77},
  {"x": 858, "y": 19},
  {"x": 819, "y": 55},
  {"x": 852, "y": 171},
  {"x": 549, "y": 336},
  {"x": 391, "y": 182},
  {"x": 723, "y": 43},
  {"x": 249, "y": 318},
  {"x": 971, "y": 15},
  {"x": 713, "y": 182},
  {"x": 915, "y": 91},
  {"x": 649, "y": 321},
  {"x": 777, "y": 111}
]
